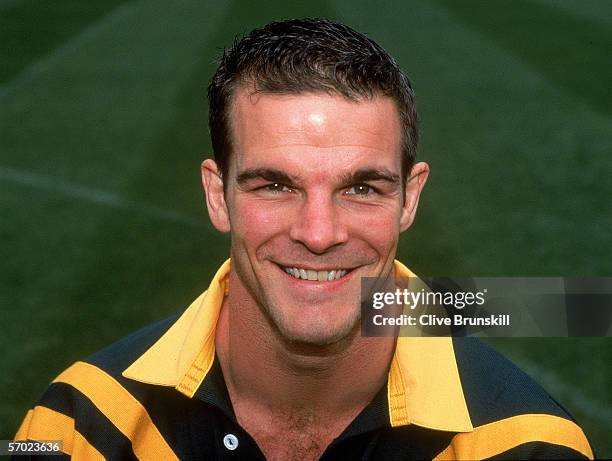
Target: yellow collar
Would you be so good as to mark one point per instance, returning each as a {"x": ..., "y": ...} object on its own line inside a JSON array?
[{"x": 423, "y": 387}]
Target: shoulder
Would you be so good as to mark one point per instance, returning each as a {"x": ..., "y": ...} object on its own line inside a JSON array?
[
  {"x": 495, "y": 388},
  {"x": 119, "y": 355},
  {"x": 512, "y": 415},
  {"x": 92, "y": 407}
]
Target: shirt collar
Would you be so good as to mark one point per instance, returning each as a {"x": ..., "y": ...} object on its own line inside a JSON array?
[{"x": 423, "y": 388}]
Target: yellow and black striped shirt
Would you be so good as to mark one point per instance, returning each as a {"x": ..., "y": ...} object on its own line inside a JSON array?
[{"x": 160, "y": 394}]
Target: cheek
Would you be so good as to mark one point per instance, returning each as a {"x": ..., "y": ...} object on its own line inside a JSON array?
[
  {"x": 255, "y": 222},
  {"x": 380, "y": 228}
]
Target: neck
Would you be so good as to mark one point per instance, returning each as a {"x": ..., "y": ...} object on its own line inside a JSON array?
[{"x": 276, "y": 376}]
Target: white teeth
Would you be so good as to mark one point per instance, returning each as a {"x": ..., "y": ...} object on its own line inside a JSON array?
[{"x": 312, "y": 275}]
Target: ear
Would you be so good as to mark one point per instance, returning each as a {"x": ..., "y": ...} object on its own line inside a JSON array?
[
  {"x": 414, "y": 185},
  {"x": 215, "y": 197}
]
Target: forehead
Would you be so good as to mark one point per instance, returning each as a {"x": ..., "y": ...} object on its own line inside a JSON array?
[{"x": 314, "y": 129}]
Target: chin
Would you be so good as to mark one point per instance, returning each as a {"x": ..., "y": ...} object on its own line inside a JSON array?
[{"x": 317, "y": 331}]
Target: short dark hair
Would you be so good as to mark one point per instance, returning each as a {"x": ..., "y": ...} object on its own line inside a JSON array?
[{"x": 308, "y": 55}]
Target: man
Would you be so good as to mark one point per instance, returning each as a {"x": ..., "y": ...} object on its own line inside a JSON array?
[{"x": 314, "y": 132}]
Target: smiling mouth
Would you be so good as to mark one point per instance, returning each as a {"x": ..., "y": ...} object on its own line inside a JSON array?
[{"x": 312, "y": 275}]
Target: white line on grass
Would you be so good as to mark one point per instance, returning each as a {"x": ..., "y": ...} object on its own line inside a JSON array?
[
  {"x": 97, "y": 196},
  {"x": 596, "y": 409},
  {"x": 41, "y": 65}
]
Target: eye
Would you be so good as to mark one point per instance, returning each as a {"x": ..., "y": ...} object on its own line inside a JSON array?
[
  {"x": 277, "y": 188},
  {"x": 360, "y": 190}
]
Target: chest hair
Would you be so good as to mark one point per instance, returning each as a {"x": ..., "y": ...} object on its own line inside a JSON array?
[{"x": 296, "y": 436}]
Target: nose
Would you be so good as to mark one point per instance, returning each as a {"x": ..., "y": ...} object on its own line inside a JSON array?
[{"x": 319, "y": 225}]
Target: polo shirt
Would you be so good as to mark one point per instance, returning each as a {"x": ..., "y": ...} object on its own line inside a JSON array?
[{"x": 160, "y": 394}]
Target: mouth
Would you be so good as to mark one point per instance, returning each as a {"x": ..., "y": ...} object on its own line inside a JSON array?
[{"x": 327, "y": 275}]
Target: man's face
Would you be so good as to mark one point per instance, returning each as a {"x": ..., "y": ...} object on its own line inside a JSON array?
[{"x": 313, "y": 202}]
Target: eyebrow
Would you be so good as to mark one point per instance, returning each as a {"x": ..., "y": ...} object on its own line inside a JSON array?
[
  {"x": 267, "y": 174},
  {"x": 372, "y": 174},
  {"x": 359, "y": 176}
]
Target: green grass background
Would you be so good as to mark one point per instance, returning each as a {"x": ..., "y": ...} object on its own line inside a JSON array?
[{"x": 103, "y": 127}]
